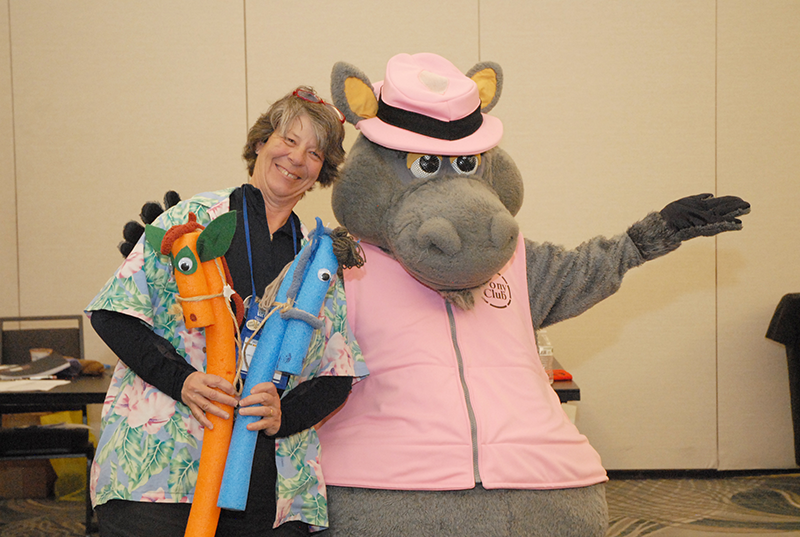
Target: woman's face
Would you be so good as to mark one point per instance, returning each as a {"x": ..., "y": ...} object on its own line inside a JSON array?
[{"x": 287, "y": 166}]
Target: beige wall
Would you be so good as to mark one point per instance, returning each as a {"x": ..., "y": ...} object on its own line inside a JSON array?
[
  {"x": 611, "y": 110},
  {"x": 758, "y": 156}
]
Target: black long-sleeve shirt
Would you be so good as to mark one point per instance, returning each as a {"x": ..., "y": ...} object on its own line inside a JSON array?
[{"x": 152, "y": 358}]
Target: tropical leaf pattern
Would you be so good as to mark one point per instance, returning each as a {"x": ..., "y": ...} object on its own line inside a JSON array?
[
  {"x": 333, "y": 351},
  {"x": 149, "y": 447}
]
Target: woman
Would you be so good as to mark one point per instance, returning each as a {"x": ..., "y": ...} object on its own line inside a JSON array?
[{"x": 145, "y": 468}]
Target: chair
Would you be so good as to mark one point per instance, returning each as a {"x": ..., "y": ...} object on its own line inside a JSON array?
[{"x": 63, "y": 334}]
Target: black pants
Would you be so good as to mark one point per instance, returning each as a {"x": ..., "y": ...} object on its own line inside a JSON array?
[{"x": 120, "y": 518}]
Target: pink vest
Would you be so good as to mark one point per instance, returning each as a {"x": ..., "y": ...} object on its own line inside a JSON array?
[{"x": 453, "y": 397}]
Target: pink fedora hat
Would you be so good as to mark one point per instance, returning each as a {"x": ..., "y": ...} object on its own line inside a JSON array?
[{"x": 426, "y": 105}]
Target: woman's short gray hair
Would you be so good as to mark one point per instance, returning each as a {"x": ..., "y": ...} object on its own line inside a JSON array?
[{"x": 327, "y": 127}]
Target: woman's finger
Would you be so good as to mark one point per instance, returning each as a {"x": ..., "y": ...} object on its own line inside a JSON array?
[
  {"x": 269, "y": 425},
  {"x": 199, "y": 393},
  {"x": 265, "y": 402},
  {"x": 264, "y": 393}
]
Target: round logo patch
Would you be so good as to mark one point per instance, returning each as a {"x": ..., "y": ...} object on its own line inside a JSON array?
[{"x": 497, "y": 293}]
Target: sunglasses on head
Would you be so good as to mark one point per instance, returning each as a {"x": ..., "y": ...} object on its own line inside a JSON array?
[{"x": 311, "y": 97}]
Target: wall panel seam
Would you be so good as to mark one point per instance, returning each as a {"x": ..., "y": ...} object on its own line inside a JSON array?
[
  {"x": 716, "y": 242},
  {"x": 14, "y": 155},
  {"x": 246, "y": 81},
  {"x": 480, "y": 55}
]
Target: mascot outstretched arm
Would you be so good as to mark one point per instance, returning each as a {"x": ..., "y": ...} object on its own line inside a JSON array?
[{"x": 570, "y": 282}]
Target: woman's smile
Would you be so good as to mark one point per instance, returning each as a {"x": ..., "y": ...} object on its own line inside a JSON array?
[{"x": 288, "y": 164}]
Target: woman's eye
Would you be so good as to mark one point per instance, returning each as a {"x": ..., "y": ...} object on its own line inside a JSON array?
[
  {"x": 316, "y": 156},
  {"x": 424, "y": 166},
  {"x": 324, "y": 275},
  {"x": 466, "y": 165}
]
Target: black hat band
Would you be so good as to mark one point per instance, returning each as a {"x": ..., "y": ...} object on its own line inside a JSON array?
[{"x": 428, "y": 126}]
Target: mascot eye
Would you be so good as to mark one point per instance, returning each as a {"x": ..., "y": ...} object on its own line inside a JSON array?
[
  {"x": 324, "y": 275},
  {"x": 465, "y": 165},
  {"x": 423, "y": 166}
]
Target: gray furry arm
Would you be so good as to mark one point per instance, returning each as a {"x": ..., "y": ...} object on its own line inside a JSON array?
[{"x": 565, "y": 283}]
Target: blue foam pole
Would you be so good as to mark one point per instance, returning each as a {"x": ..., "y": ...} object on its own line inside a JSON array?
[
  {"x": 239, "y": 464},
  {"x": 310, "y": 289}
]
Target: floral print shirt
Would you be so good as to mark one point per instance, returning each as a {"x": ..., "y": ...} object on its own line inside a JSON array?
[{"x": 149, "y": 447}]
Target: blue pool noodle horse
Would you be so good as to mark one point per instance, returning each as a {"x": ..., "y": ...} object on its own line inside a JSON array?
[{"x": 280, "y": 351}]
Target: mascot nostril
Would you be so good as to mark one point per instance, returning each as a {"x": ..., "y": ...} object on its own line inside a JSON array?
[
  {"x": 504, "y": 230},
  {"x": 439, "y": 233}
]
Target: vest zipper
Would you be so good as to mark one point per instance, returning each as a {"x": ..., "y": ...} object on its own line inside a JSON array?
[{"x": 472, "y": 425}]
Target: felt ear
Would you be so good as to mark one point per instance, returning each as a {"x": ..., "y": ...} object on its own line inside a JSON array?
[
  {"x": 352, "y": 93},
  {"x": 154, "y": 236},
  {"x": 216, "y": 238},
  {"x": 489, "y": 78}
]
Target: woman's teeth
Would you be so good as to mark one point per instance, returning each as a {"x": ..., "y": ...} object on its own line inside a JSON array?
[{"x": 287, "y": 174}]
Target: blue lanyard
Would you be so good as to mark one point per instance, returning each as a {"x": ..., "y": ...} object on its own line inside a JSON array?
[{"x": 249, "y": 248}]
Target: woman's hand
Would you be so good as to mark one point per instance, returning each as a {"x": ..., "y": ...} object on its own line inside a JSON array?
[
  {"x": 263, "y": 401},
  {"x": 201, "y": 390}
]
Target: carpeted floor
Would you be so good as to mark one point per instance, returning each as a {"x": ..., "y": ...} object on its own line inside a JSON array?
[
  {"x": 39, "y": 518},
  {"x": 733, "y": 505},
  {"x": 639, "y": 505}
]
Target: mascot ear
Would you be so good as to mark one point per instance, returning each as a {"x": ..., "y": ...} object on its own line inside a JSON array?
[
  {"x": 352, "y": 93},
  {"x": 489, "y": 78}
]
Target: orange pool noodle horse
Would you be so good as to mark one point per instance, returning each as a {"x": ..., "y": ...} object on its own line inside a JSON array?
[{"x": 204, "y": 285}]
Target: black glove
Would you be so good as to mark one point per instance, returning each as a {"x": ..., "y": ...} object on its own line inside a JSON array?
[
  {"x": 704, "y": 215},
  {"x": 150, "y": 211}
]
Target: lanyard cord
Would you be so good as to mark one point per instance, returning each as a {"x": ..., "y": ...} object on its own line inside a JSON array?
[
  {"x": 294, "y": 236},
  {"x": 250, "y": 249},
  {"x": 242, "y": 345},
  {"x": 247, "y": 240}
]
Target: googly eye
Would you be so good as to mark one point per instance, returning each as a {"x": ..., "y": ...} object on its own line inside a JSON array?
[
  {"x": 185, "y": 264},
  {"x": 185, "y": 261},
  {"x": 423, "y": 166},
  {"x": 466, "y": 165},
  {"x": 324, "y": 275}
]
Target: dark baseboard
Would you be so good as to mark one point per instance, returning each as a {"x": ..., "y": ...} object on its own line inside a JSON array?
[{"x": 697, "y": 474}]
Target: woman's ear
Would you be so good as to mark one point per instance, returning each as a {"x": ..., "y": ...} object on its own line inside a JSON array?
[{"x": 259, "y": 145}]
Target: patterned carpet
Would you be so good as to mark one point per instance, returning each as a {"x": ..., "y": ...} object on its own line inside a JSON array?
[
  {"x": 638, "y": 506},
  {"x": 735, "y": 505},
  {"x": 41, "y": 517}
]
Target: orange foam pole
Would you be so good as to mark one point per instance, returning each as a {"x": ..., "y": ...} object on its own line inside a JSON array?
[
  {"x": 221, "y": 361},
  {"x": 200, "y": 313}
]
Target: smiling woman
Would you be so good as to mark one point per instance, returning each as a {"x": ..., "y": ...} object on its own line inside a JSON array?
[
  {"x": 296, "y": 144},
  {"x": 325, "y": 122},
  {"x": 162, "y": 393},
  {"x": 287, "y": 166}
]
